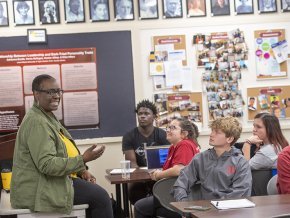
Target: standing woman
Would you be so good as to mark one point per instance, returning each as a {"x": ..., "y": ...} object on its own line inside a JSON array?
[
  {"x": 269, "y": 140},
  {"x": 49, "y": 173},
  {"x": 182, "y": 134}
]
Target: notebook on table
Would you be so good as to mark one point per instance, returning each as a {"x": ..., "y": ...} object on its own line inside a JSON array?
[{"x": 156, "y": 156}]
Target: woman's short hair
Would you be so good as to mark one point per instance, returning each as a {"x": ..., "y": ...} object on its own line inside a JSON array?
[
  {"x": 22, "y": 5},
  {"x": 36, "y": 83},
  {"x": 97, "y": 2}
]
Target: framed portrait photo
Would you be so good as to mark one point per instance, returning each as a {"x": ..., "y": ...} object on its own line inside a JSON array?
[
  {"x": 99, "y": 10},
  {"x": 74, "y": 11},
  {"x": 244, "y": 6},
  {"x": 220, "y": 8},
  {"x": 148, "y": 9},
  {"x": 124, "y": 10},
  {"x": 48, "y": 11},
  {"x": 267, "y": 6},
  {"x": 4, "y": 21},
  {"x": 172, "y": 8},
  {"x": 285, "y": 5},
  {"x": 196, "y": 8},
  {"x": 23, "y": 12}
]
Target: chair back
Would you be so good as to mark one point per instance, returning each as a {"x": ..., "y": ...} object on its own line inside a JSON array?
[
  {"x": 260, "y": 179},
  {"x": 272, "y": 186},
  {"x": 161, "y": 191}
]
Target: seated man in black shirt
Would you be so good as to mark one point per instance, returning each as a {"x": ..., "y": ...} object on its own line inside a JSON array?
[{"x": 133, "y": 145}]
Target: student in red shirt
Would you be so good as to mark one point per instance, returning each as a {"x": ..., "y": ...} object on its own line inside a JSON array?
[
  {"x": 283, "y": 163},
  {"x": 182, "y": 134}
]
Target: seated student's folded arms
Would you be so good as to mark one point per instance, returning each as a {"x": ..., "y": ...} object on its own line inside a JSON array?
[
  {"x": 269, "y": 139},
  {"x": 222, "y": 171},
  {"x": 182, "y": 134}
]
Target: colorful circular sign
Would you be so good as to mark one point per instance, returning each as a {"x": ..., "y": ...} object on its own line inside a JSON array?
[
  {"x": 266, "y": 46},
  {"x": 259, "y": 40},
  {"x": 259, "y": 52},
  {"x": 266, "y": 55}
]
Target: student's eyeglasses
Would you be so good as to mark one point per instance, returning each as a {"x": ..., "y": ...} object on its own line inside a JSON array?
[
  {"x": 52, "y": 92},
  {"x": 172, "y": 128}
]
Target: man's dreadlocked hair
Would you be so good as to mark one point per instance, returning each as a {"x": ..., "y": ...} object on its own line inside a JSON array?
[{"x": 147, "y": 104}]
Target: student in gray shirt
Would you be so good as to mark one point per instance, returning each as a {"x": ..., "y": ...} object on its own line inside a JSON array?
[
  {"x": 222, "y": 171},
  {"x": 269, "y": 140}
]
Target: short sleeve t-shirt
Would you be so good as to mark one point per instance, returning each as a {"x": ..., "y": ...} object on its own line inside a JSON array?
[
  {"x": 182, "y": 153},
  {"x": 134, "y": 140}
]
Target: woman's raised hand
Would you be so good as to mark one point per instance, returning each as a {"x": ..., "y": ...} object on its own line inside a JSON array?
[{"x": 94, "y": 152}]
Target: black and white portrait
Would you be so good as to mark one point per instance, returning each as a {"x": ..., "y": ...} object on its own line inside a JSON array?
[
  {"x": 267, "y": 6},
  {"x": 23, "y": 12},
  {"x": 148, "y": 9},
  {"x": 172, "y": 8},
  {"x": 49, "y": 11},
  {"x": 3, "y": 14},
  {"x": 124, "y": 9},
  {"x": 244, "y": 6},
  {"x": 220, "y": 7},
  {"x": 74, "y": 11},
  {"x": 285, "y": 5},
  {"x": 99, "y": 10}
]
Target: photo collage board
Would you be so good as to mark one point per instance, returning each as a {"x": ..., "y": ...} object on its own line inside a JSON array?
[
  {"x": 175, "y": 105},
  {"x": 224, "y": 56}
]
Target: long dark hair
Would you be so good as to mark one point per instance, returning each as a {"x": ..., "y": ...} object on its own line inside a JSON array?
[
  {"x": 190, "y": 127},
  {"x": 273, "y": 130}
]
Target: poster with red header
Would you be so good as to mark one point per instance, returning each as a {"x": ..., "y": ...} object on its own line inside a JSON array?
[{"x": 75, "y": 70}]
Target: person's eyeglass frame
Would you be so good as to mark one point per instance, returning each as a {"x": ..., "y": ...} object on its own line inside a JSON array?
[
  {"x": 51, "y": 92},
  {"x": 172, "y": 128}
]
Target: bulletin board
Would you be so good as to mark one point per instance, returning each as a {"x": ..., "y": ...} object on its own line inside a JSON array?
[
  {"x": 115, "y": 76},
  {"x": 181, "y": 104},
  {"x": 177, "y": 40},
  {"x": 265, "y": 64},
  {"x": 282, "y": 93},
  {"x": 194, "y": 97}
]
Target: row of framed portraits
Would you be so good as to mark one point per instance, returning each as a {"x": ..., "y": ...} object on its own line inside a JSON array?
[{"x": 49, "y": 13}]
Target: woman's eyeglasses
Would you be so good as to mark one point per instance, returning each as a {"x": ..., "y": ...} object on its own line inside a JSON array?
[
  {"x": 171, "y": 128},
  {"x": 52, "y": 92}
]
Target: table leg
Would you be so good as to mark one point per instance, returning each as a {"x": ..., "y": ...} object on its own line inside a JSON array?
[
  {"x": 118, "y": 201},
  {"x": 125, "y": 199}
]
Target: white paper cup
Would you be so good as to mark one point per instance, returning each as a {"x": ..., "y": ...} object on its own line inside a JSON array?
[{"x": 125, "y": 169}]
